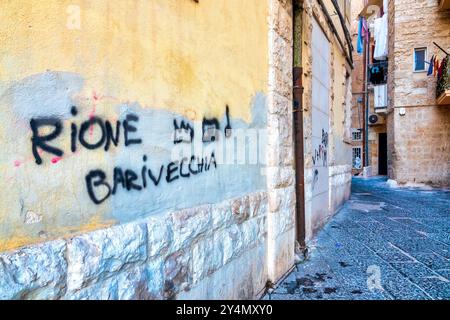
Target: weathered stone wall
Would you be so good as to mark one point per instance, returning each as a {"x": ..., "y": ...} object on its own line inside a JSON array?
[
  {"x": 418, "y": 142},
  {"x": 422, "y": 148},
  {"x": 280, "y": 157},
  {"x": 210, "y": 252}
]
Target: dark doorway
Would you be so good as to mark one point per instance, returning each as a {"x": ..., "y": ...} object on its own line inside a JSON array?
[{"x": 382, "y": 154}]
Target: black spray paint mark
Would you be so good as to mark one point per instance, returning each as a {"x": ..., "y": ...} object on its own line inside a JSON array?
[
  {"x": 321, "y": 152},
  {"x": 211, "y": 129},
  {"x": 315, "y": 178},
  {"x": 130, "y": 180},
  {"x": 110, "y": 136},
  {"x": 85, "y": 127},
  {"x": 100, "y": 178},
  {"x": 130, "y": 128},
  {"x": 182, "y": 132},
  {"x": 41, "y": 141},
  {"x": 228, "y": 126},
  {"x": 324, "y": 138},
  {"x": 107, "y": 135}
]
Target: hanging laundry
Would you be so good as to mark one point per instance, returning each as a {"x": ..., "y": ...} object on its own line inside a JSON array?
[
  {"x": 443, "y": 81},
  {"x": 377, "y": 73},
  {"x": 359, "y": 45},
  {"x": 431, "y": 66},
  {"x": 380, "y": 96},
  {"x": 365, "y": 29},
  {"x": 441, "y": 68},
  {"x": 381, "y": 38},
  {"x": 436, "y": 67}
]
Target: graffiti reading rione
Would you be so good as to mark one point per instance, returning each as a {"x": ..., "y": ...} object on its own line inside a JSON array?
[{"x": 101, "y": 186}]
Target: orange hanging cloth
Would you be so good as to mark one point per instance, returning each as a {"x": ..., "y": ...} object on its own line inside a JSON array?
[{"x": 436, "y": 67}]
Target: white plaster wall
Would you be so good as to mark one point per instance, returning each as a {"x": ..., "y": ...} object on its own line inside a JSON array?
[{"x": 320, "y": 123}]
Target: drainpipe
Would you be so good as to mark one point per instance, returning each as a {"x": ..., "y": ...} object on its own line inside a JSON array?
[
  {"x": 366, "y": 116},
  {"x": 363, "y": 104},
  {"x": 298, "y": 126}
]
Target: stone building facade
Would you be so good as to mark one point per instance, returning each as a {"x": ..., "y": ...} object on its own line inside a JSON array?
[
  {"x": 358, "y": 88},
  {"x": 376, "y": 140},
  {"x": 117, "y": 180},
  {"x": 418, "y": 127}
]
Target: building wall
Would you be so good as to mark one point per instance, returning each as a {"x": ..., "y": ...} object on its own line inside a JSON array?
[
  {"x": 357, "y": 79},
  {"x": 134, "y": 220},
  {"x": 214, "y": 229},
  {"x": 418, "y": 142},
  {"x": 338, "y": 150},
  {"x": 115, "y": 65},
  {"x": 358, "y": 88}
]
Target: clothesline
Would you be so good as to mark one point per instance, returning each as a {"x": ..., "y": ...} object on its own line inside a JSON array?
[
  {"x": 437, "y": 67},
  {"x": 441, "y": 48}
]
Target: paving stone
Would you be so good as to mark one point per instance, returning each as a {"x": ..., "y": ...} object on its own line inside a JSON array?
[
  {"x": 444, "y": 272},
  {"x": 440, "y": 237},
  {"x": 437, "y": 288},
  {"x": 433, "y": 260},
  {"x": 414, "y": 271},
  {"x": 412, "y": 224},
  {"x": 393, "y": 254}
]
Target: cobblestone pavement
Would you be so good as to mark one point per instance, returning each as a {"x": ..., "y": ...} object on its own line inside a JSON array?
[{"x": 383, "y": 244}]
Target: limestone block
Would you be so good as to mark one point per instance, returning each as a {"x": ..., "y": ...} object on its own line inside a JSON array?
[
  {"x": 95, "y": 256},
  {"x": 188, "y": 224},
  {"x": 280, "y": 177},
  {"x": 159, "y": 235},
  {"x": 35, "y": 272}
]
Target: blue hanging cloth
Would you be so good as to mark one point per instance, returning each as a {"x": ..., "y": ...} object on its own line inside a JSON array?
[
  {"x": 359, "y": 46},
  {"x": 431, "y": 67}
]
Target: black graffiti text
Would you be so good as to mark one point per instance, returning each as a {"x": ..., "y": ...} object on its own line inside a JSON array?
[
  {"x": 100, "y": 188},
  {"x": 108, "y": 134}
]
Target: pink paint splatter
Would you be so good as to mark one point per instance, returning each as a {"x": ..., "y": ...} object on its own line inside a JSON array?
[
  {"x": 17, "y": 163},
  {"x": 92, "y": 113},
  {"x": 56, "y": 160}
]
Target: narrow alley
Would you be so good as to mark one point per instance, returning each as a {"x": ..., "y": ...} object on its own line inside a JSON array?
[
  {"x": 225, "y": 150},
  {"x": 384, "y": 243}
]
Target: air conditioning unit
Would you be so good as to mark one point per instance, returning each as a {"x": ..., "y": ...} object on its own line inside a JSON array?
[{"x": 376, "y": 119}]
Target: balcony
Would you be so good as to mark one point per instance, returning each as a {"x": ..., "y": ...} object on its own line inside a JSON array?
[
  {"x": 378, "y": 72},
  {"x": 443, "y": 87},
  {"x": 444, "y": 98},
  {"x": 371, "y": 7},
  {"x": 444, "y": 4}
]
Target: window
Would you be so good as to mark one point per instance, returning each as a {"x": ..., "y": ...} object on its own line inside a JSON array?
[
  {"x": 356, "y": 157},
  {"x": 357, "y": 134},
  {"x": 420, "y": 54}
]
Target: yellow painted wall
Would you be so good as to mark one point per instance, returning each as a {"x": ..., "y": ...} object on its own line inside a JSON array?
[
  {"x": 342, "y": 151},
  {"x": 187, "y": 58},
  {"x": 174, "y": 54}
]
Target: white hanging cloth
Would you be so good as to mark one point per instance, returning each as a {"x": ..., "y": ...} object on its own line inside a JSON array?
[
  {"x": 381, "y": 38},
  {"x": 380, "y": 96}
]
